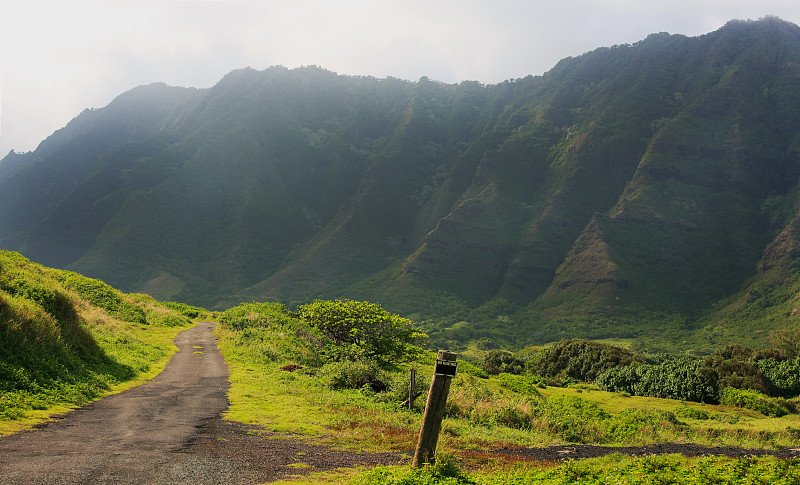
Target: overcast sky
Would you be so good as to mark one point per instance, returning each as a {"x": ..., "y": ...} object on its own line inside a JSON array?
[{"x": 59, "y": 57}]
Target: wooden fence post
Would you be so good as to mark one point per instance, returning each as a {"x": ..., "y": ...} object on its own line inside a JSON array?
[
  {"x": 412, "y": 389},
  {"x": 434, "y": 409}
]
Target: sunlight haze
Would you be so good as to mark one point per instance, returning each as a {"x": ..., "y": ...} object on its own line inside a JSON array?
[{"x": 58, "y": 58}]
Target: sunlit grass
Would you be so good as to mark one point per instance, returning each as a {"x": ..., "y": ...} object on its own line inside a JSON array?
[
  {"x": 69, "y": 340},
  {"x": 482, "y": 414},
  {"x": 263, "y": 395}
]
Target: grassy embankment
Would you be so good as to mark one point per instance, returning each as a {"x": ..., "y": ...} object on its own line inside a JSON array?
[
  {"x": 66, "y": 340},
  {"x": 483, "y": 413}
]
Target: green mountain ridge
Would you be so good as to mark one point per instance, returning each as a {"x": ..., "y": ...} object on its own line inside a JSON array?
[{"x": 645, "y": 190}]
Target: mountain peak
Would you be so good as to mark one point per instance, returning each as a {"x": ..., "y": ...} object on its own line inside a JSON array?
[{"x": 641, "y": 190}]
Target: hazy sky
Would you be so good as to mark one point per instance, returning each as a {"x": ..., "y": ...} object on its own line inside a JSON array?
[{"x": 59, "y": 57}]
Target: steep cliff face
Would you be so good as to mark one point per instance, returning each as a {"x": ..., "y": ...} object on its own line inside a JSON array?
[
  {"x": 636, "y": 190},
  {"x": 704, "y": 211}
]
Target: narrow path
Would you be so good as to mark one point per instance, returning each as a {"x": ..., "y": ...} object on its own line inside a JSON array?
[
  {"x": 125, "y": 438},
  {"x": 168, "y": 431}
]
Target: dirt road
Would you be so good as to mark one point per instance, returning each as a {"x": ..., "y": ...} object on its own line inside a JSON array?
[{"x": 168, "y": 431}]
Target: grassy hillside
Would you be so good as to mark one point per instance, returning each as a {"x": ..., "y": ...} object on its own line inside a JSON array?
[{"x": 66, "y": 339}]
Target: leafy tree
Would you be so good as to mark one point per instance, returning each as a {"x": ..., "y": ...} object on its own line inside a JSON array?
[
  {"x": 783, "y": 376},
  {"x": 679, "y": 378},
  {"x": 580, "y": 359},
  {"x": 502, "y": 361},
  {"x": 359, "y": 329},
  {"x": 787, "y": 341},
  {"x": 734, "y": 367}
]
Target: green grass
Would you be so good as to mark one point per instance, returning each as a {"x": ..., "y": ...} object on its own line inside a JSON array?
[
  {"x": 482, "y": 413},
  {"x": 661, "y": 470},
  {"x": 66, "y": 340}
]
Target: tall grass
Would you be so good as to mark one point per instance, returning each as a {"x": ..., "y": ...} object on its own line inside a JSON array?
[{"x": 66, "y": 339}]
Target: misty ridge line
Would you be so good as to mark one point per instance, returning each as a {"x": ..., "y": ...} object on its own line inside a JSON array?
[{"x": 641, "y": 191}]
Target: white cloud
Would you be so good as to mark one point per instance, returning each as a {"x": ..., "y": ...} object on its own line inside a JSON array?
[{"x": 57, "y": 58}]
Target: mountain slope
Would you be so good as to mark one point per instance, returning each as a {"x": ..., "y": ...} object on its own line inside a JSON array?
[{"x": 639, "y": 190}]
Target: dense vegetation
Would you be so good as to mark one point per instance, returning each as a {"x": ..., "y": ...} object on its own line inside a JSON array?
[
  {"x": 642, "y": 191},
  {"x": 542, "y": 396},
  {"x": 272, "y": 337},
  {"x": 66, "y": 339}
]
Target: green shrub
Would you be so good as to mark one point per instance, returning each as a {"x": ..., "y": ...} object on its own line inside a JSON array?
[
  {"x": 249, "y": 315},
  {"x": 186, "y": 310},
  {"x": 349, "y": 374},
  {"x": 94, "y": 291},
  {"x": 783, "y": 376},
  {"x": 733, "y": 366},
  {"x": 680, "y": 378},
  {"x": 751, "y": 399},
  {"x": 398, "y": 387},
  {"x": 359, "y": 329},
  {"x": 131, "y": 313},
  {"x": 522, "y": 384},
  {"x": 511, "y": 416},
  {"x": 691, "y": 412},
  {"x": 468, "y": 368},
  {"x": 445, "y": 471},
  {"x": 579, "y": 359},
  {"x": 631, "y": 423},
  {"x": 574, "y": 419},
  {"x": 501, "y": 361}
]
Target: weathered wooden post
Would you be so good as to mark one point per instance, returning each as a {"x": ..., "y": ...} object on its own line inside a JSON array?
[
  {"x": 412, "y": 389},
  {"x": 434, "y": 410}
]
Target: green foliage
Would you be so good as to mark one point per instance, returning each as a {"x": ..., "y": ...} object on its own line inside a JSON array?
[
  {"x": 574, "y": 419},
  {"x": 786, "y": 341},
  {"x": 751, "y": 399},
  {"x": 525, "y": 384},
  {"x": 501, "y": 361},
  {"x": 680, "y": 378},
  {"x": 445, "y": 471},
  {"x": 256, "y": 315},
  {"x": 56, "y": 348},
  {"x": 734, "y": 367},
  {"x": 268, "y": 332},
  {"x": 783, "y": 376},
  {"x": 188, "y": 311},
  {"x": 104, "y": 296},
  {"x": 654, "y": 470},
  {"x": 363, "y": 329},
  {"x": 579, "y": 359},
  {"x": 650, "y": 470},
  {"x": 702, "y": 380},
  {"x": 691, "y": 412},
  {"x": 469, "y": 368},
  {"x": 349, "y": 374}
]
